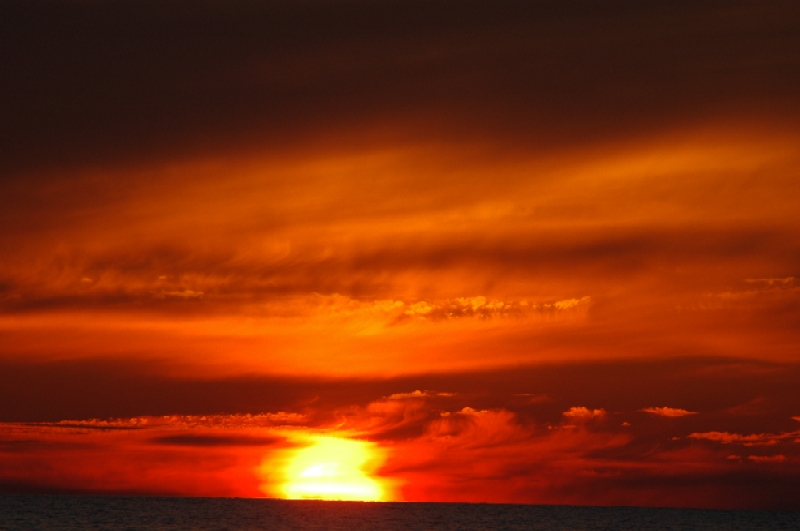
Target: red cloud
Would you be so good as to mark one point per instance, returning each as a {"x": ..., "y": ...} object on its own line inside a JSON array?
[
  {"x": 755, "y": 439},
  {"x": 767, "y": 458},
  {"x": 668, "y": 411},
  {"x": 583, "y": 412}
]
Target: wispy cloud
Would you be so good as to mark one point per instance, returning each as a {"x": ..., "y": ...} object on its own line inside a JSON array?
[
  {"x": 583, "y": 412},
  {"x": 183, "y": 294},
  {"x": 187, "y": 421},
  {"x": 668, "y": 411},
  {"x": 779, "y": 458},
  {"x": 418, "y": 394},
  {"x": 772, "y": 281},
  {"x": 754, "y": 439}
]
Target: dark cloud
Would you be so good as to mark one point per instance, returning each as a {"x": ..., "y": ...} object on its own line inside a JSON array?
[
  {"x": 25, "y": 446},
  {"x": 753, "y": 487},
  {"x": 215, "y": 440},
  {"x": 92, "y": 82},
  {"x": 108, "y": 389},
  {"x": 591, "y": 262},
  {"x": 47, "y": 486}
]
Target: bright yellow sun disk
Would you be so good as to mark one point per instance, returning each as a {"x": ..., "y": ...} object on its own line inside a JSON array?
[{"x": 333, "y": 469}]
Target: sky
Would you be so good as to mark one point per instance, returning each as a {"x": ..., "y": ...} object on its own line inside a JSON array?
[{"x": 512, "y": 252}]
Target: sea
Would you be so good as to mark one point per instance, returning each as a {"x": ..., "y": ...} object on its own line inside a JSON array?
[{"x": 29, "y": 513}]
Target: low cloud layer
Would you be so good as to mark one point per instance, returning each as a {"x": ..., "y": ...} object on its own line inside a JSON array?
[{"x": 470, "y": 445}]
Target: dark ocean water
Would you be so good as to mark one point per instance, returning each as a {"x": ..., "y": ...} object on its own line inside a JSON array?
[{"x": 74, "y": 512}]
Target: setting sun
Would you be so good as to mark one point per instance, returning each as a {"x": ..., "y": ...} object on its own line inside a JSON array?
[{"x": 334, "y": 469}]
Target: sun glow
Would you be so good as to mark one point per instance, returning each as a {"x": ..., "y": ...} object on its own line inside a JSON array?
[{"x": 332, "y": 468}]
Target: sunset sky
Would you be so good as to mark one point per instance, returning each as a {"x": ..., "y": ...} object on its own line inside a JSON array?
[{"x": 485, "y": 251}]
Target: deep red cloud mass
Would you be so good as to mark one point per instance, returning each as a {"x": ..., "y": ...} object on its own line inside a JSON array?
[
  {"x": 511, "y": 435},
  {"x": 535, "y": 252}
]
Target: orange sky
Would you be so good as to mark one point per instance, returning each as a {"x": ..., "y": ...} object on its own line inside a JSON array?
[{"x": 535, "y": 253}]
